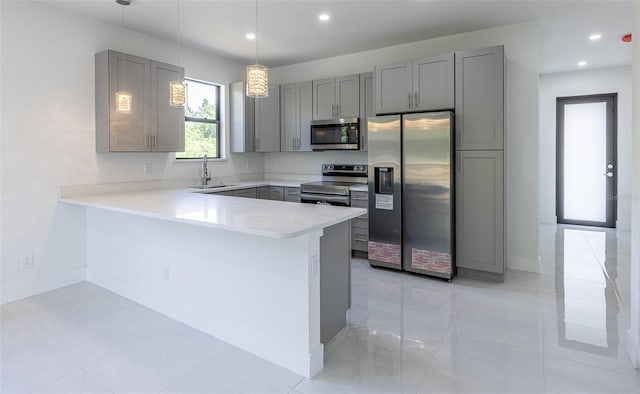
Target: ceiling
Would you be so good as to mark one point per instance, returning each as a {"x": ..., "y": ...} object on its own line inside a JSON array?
[{"x": 290, "y": 32}]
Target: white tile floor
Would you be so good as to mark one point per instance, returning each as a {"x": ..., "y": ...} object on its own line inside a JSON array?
[{"x": 561, "y": 331}]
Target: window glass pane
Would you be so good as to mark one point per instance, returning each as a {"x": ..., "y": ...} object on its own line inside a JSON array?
[
  {"x": 202, "y": 100},
  {"x": 585, "y": 161},
  {"x": 199, "y": 139}
]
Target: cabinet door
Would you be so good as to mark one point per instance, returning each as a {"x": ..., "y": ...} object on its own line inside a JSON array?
[
  {"x": 480, "y": 210},
  {"x": 433, "y": 83},
  {"x": 292, "y": 194},
  {"x": 348, "y": 96},
  {"x": 480, "y": 99},
  {"x": 247, "y": 193},
  {"x": 263, "y": 192},
  {"x": 288, "y": 127},
  {"x": 166, "y": 126},
  {"x": 268, "y": 121},
  {"x": 366, "y": 107},
  {"x": 393, "y": 87},
  {"x": 276, "y": 193},
  {"x": 242, "y": 113},
  {"x": 324, "y": 96},
  {"x": 128, "y": 131},
  {"x": 304, "y": 102}
]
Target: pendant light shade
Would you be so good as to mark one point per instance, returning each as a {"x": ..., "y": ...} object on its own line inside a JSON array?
[
  {"x": 257, "y": 81},
  {"x": 257, "y": 74},
  {"x": 177, "y": 93},
  {"x": 124, "y": 102}
]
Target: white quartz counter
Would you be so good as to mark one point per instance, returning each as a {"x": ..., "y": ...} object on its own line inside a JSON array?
[{"x": 274, "y": 219}]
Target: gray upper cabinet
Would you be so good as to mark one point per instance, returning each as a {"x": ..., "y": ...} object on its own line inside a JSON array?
[
  {"x": 393, "y": 87},
  {"x": 152, "y": 124},
  {"x": 295, "y": 116},
  {"x": 433, "y": 83},
  {"x": 267, "y": 126},
  {"x": 480, "y": 212},
  {"x": 242, "y": 111},
  {"x": 166, "y": 121},
  {"x": 425, "y": 84},
  {"x": 366, "y": 107},
  {"x": 336, "y": 97},
  {"x": 480, "y": 99}
]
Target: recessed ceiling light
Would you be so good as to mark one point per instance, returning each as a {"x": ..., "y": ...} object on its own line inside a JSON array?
[
  {"x": 324, "y": 17},
  {"x": 251, "y": 36},
  {"x": 582, "y": 63},
  {"x": 595, "y": 36}
]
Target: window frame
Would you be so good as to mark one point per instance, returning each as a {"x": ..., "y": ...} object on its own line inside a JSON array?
[{"x": 218, "y": 121}]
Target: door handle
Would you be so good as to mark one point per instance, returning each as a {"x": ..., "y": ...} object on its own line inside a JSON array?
[{"x": 609, "y": 174}]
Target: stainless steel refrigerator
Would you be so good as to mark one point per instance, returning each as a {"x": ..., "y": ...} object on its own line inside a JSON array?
[{"x": 411, "y": 223}]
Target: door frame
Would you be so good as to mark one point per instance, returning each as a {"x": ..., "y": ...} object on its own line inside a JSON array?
[{"x": 611, "y": 100}]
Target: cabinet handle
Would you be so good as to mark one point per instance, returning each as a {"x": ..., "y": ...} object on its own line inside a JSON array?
[
  {"x": 146, "y": 141},
  {"x": 257, "y": 144},
  {"x": 360, "y": 239},
  {"x": 417, "y": 101},
  {"x": 155, "y": 143},
  {"x": 409, "y": 95},
  {"x": 337, "y": 110}
]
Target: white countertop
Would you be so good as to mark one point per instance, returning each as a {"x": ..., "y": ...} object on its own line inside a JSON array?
[{"x": 275, "y": 219}]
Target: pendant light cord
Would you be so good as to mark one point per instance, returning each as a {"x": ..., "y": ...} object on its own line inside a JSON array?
[{"x": 257, "y": 35}]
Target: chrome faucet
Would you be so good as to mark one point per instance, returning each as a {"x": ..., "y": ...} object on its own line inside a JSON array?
[{"x": 205, "y": 177}]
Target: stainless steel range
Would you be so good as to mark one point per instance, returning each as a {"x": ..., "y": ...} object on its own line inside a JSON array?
[{"x": 334, "y": 189}]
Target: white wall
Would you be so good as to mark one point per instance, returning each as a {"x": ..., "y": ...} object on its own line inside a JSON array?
[
  {"x": 633, "y": 337},
  {"x": 606, "y": 80},
  {"x": 48, "y": 135},
  {"x": 521, "y": 51}
]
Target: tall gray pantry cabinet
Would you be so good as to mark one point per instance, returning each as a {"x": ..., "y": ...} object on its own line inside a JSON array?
[
  {"x": 152, "y": 125},
  {"x": 480, "y": 191}
]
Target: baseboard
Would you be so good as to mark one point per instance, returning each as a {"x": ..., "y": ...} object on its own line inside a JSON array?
[
  {"x": 529, "y": 265},
  {"x": 307, "y": 364},
  {"x": 42, "y": 284},
  {"x": 633, "y": 350}
]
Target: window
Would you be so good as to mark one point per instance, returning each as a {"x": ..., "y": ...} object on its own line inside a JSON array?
[{"x": 201, "y": 121}]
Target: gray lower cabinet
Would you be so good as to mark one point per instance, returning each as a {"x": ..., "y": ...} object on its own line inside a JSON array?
[
  {"x": 480, "y": 99},
  {"x": 275, "y": 193},
  {"x": 292, "y": 194},
  {"x": 152, "y": 125},
  {"x": 360, "y": 225},
  {"x": 247, "y": 193},
  {"x": 480, "y": 214}
]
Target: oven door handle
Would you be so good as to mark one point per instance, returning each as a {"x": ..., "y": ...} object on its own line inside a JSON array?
[{"x": 325, "y": 198}]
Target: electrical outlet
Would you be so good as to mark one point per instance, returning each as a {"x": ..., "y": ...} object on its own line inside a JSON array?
[
  {"x": 165, "y": 273},
  {"x": 148, "y": 168},
  {"x": 27, "y": 261}
]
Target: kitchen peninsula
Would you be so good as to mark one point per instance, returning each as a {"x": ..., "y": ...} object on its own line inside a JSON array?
[{"x": 269, "y": 277}]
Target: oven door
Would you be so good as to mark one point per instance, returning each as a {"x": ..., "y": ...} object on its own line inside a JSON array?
[
  {"x": 335, "y": 134},
  {"x": 326, "y": 199}
]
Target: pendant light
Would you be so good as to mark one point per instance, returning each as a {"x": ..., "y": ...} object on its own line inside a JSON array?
[
  {"x": 178, "y": 89},
  {"x": 257, "y": 74},
  {"x": 124, "y": 99}
]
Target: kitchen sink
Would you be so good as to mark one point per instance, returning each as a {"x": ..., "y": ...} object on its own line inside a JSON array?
[{"x": 209, "y": 186}]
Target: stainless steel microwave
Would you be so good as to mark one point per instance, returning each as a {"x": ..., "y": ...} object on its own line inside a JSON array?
[{"x": 335, "y": 134}]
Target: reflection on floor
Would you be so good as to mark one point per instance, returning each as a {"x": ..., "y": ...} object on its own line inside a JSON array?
[{"x": 560, "y": 331}]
